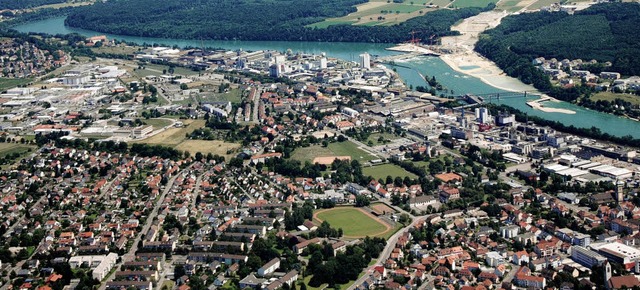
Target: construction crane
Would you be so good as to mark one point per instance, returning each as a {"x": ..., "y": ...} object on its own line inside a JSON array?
[
  {"x": 431, "y": 39},
  {"x": 414, "y": 40}
]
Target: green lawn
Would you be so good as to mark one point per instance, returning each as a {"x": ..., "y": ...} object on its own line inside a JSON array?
[
  {"x": 472, "y": 3},
  {"x": 541, "y": 3},
  {"x": 401, "y": 8},
  {"x": 346, "y": 148},
  {"x": 327, "y": 23},
  {"x": 352, "y": 221},
  {"x": 306, "y": 281},
  {"x": 375, "y": 136},
  {"x": 233, "y": 96},
  {"x": 122, "y": 50},
  {"x": 158, "y": 123},
  {"x": 6, "y": 83},
  {"x": 440, "y": 3},
  {"x": 394, "y": 13},
  {"x": 384, "y": 170},
  {"x": 8, "y": 149},
  {"x": 156, "y": 69},
  {"x": 609, "y": 96},
  {"x": 510, "y": 5},
  {"x": 372, "y": 23}
]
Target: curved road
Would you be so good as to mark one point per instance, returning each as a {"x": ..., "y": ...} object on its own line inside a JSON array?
[{"x": 391, "y": 244}]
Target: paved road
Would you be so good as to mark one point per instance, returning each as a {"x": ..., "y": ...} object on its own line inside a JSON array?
[
  {"x": 130, "y": 256},
  {"x": 391, "y": 244},
  {"x": 9, "y": 233},
  {"x": 256, "y": 104}
]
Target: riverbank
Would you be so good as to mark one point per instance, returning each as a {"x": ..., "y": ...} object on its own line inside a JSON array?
[
  {"x": 463, "y": 59},
  {"x": 538, "y": 105},
  {"x": 479, "y": 67},
  {"x": 409, "y": 71},
  {"x": 412, "y": 48}
]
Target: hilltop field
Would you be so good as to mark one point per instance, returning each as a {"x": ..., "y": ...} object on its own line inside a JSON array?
[{"x": 385, "y": 13}]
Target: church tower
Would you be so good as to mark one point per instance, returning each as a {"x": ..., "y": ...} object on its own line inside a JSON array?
[{"x": 619, "y": 191}]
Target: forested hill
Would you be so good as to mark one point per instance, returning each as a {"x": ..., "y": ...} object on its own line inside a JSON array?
[
  {"x": 604, "y": 32},
  {"x": 20, "y": 4},
  {"x": 250, "y": 20}
]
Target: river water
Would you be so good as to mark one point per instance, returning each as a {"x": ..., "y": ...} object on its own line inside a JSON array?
[{"x": 409, "y": 70}]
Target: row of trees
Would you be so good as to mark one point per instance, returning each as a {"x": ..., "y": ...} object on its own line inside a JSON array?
[{"x": 20, "y": 4}]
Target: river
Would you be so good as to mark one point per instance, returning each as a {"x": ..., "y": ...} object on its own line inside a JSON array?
[{"x": 430, "y": 66}]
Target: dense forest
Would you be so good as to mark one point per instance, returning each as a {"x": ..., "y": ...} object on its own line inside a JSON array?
[
  {"x": 252, "y": 20},
  {"x": 21, "y": 4},
  {"x": 604, "y": 32}
]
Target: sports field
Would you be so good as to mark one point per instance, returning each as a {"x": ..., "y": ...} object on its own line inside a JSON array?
[
  {"x": 381, "y": 208},
  {"x": 354, "y": 222},
  {"x": 346, "y": 148},
  {"x": 158, "y": 123},
  {"x": 384, "y": 170}
]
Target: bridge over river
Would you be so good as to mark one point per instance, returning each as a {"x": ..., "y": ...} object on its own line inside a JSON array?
[{"x": 480, "y": 99}]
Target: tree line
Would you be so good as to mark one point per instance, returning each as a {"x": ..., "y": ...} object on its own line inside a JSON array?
[
  {"x": 284, "y": 20},
  {"x": 604, "y": 32},
  {"x": 21, "y": 4}
]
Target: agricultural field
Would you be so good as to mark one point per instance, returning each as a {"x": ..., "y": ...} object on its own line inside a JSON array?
[
  {"x": 440, "y": 3},
  {"x": 346, "y": 148},
  {"x": 62, "y": 5},
  {"x": 384, "y": 170},
  {"x": 156, "y": 70},
  {"x": 123, "y": 50},
  {"x": 344, "y": 217},
  {"x": 609, "y": 96},
  {"x": 512, "y": 5},
  {"x": 9, "y": 152},
  {"x": 209, "y": 146},
  {"x": 327, "y": 23},
  {"x": 541, "y": 3},
  {"x": 381, "y": 12},
  {"x": 472, "y": 3},
  {"x": 176, "y": 138},
  {"x": 6, "y": 83}
]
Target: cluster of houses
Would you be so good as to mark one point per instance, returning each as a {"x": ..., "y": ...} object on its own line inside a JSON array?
[{"x": 24, "y": 59}]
